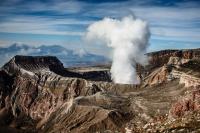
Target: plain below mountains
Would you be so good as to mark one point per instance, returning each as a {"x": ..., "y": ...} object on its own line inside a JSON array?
[{"x": 68, "y": 57}]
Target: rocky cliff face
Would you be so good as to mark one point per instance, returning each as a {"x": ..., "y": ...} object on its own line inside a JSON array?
[
  {"x": 187, "y": 79},
  {"x": 158, "y": 59},
  {"x": 173, "y": 64},
  {"x": 37, "y": 94}
]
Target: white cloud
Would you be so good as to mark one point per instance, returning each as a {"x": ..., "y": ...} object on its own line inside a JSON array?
[
  {"x": 37, "y": 25},
  {"x": 170, "y": 22},
  {"x": 80, "y": 52}
]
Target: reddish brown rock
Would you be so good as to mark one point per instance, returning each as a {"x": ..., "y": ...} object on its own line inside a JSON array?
[
  {"x": 158, "y": 59},
  {"x": 190, "y": 102}
]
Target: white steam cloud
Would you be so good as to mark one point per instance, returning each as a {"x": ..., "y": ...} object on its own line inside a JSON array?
[{"x": 129, "y": 39}]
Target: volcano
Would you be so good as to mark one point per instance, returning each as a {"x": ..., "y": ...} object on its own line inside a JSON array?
[{"x": 38, "y": 94}]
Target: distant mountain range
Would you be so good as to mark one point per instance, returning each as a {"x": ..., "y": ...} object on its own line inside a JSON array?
[{"x": 69, "y": 58}]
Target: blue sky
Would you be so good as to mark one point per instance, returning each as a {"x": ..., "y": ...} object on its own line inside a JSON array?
[{"x": 173, "y": 23}]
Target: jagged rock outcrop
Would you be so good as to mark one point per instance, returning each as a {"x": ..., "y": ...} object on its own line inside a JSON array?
[
  {"x": 189, "y": 80},
  {"x": 177, "y": 61},
  {"x": 158, "y": 59},
  {"x": 184, "y": 78},
  {"x": 185, "y": 68},
  {"x": 158, "y": 76}
]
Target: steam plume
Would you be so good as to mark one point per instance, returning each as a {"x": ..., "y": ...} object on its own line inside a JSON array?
[{"x": 129, "y": 39}]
